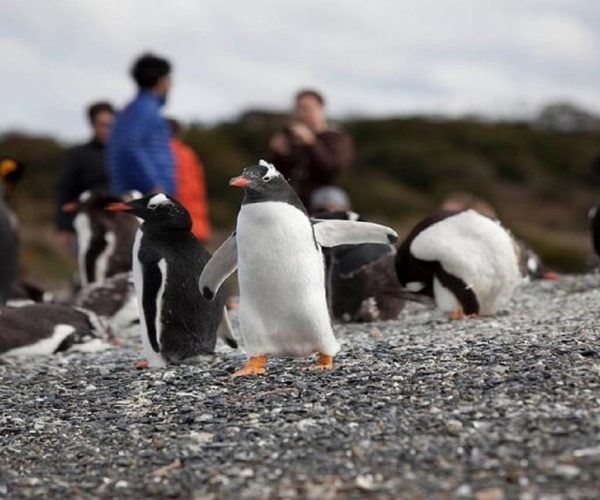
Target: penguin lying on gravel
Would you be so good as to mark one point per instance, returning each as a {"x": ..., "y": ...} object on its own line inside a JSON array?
[
  {"x": 104, "y": 239},
  {"x": 277, "y": 251},
  {"x": 177, "y": 322},
  {"x": 466, "y": 261},
  {"x": 114, "y": 301},
  {"x": 361, "y": 279},
  {"x": 40, "y": 329}
]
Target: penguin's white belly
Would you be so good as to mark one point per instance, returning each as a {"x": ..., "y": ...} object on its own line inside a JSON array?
[
  {"x": 283, "y": 307},
  {"x": 477, "y": 250},
  {"x": 154, "y": 358}
]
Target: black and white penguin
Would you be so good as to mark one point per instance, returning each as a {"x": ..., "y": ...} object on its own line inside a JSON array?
[
  {"x": 466, "y": 261},
  {"x": 362, "y": 285},
  {"x": 594, "y": 220},
  {"x": 9, "y": 250},
  {"x": 277, "y": 250},
  {"x": 40, "y": 329},
  {"x": 177, "y": 322},
  {"x": 114, "y": 301},
  {"x": 104, "y": 239}
]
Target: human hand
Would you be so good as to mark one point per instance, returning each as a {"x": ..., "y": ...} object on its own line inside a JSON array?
[
  {"x": 279, "y": 143},
  {"x": 302, "y": 133}
]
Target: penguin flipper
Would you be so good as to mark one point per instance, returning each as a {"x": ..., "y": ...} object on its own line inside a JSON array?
[
  {"x": 225, "y": 331},
  {"x": 331, "y": 233},
  {"x": 220, "y": 266}
]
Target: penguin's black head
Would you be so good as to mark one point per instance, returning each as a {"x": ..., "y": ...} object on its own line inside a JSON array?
[
  {"x": 159, "y": 210},
  {"x": 263, "y": 182}
]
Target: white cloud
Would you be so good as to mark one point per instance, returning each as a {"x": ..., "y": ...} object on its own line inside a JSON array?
[{"x": 381, "y": 57}]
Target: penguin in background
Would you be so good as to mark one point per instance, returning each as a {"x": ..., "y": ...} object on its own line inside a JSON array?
[
  {"x": 177, "y": 321},
  {"x": 361, "y": 279},
  {"x": 10, "y": 172},
  {"x": 113, "y": 301},
  {"x": 104, "y": 239},
  {"x": 466, "y": 261},
  {"x": 276, "y": 249},
  {"x": 42, "y": 329},
  {"x": 594, "y": 221}
]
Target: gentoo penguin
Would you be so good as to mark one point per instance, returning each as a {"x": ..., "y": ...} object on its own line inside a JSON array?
[
  {"x": 177, "y": 322},
  {"x": 104, "y": 239},
  {"x": 39, "y": 329},
  {"x": 594, "y": 219},
  {"x": 114, "y": 301},
  {"x": 277, "y": 251},
  {"x": 362, "y": 285},
  {"x": 466, "y": 261},
  {"x": 8, "y": 250},
  {"x": 11, "y": 172}
]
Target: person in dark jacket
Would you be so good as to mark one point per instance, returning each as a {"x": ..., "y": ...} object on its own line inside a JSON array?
[
  {"x": 308, "y": 152},
  {"x": 85, "y": 168},
  {"x": 139, "y": 153}
]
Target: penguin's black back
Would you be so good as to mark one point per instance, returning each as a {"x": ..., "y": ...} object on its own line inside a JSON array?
[
  {"x": 189, "y": 322},
  {"x": 408, "y": 267},
  {"x": 23, "y": 326}
]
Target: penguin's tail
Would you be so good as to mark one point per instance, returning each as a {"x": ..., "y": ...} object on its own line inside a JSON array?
[{"x": 225, "y": 331}]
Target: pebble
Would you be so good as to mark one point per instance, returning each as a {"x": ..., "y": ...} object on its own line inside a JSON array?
[{"x": 421, "y": 407}]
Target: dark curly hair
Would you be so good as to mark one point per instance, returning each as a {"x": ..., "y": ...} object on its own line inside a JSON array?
[{"x": 148, "y": 69}]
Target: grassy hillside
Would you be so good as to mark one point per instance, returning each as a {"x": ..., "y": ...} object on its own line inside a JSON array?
[{"x": 541, "y": 182}]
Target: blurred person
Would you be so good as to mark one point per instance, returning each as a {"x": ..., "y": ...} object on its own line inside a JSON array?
[
  {"x": 139, "y": 154},
  {"x": 190, "y": 188},
  {"x": 84, "y": 167},
  {"x": 309, "y": 152}
]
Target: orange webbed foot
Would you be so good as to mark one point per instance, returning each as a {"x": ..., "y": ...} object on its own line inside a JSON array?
[
  {"x": 457, "y": 314},
  {"x": 324, "y": 362},
  {"x": 142, "y": 364},
  {"x": 256, "y": 365}
]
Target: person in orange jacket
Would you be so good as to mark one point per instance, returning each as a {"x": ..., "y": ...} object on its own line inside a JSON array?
[{"x": 190, "y": 188}]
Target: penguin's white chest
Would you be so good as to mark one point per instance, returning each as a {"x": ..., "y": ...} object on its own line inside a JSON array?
[{"x": 283, "y": 307}]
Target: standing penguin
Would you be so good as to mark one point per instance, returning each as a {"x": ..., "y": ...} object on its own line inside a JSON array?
[
  {"x": 104, "y": 240},
  {"x": 466, "y": 261},
  {"x": 9, "y": 249},
  {"x": 277, "y": 251},
  {"x": 177, "y": 322}
]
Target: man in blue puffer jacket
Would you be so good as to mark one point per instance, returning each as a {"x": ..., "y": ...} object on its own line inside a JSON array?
[{"x": 139, "y": 155}]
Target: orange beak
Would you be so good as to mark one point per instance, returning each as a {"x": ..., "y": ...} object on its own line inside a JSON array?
[
  {"x": 239, "y": 181},
  {"x": 118, "y": 207},
  {"x": 71, "y": 207}
]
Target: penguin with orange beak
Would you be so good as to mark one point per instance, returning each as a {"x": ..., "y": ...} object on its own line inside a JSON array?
[
  {"x": 177, "y": 322},
  {"x": 10, "y": 172},
  {"x": 276, "y": 249}
]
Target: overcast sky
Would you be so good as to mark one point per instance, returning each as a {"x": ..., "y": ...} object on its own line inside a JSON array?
[{"x": 376, "y": 57}]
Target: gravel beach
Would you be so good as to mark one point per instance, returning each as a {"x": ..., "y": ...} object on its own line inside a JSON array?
[{"x": 421, "y": 407}]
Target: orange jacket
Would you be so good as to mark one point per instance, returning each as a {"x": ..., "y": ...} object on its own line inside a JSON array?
[{"x": 190, "y": 188}]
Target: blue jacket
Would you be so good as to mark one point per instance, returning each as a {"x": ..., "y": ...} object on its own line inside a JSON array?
[{"x": 138, "y": 153}]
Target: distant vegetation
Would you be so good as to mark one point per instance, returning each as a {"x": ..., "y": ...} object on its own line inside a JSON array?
[{"x": 541, "y": 177}]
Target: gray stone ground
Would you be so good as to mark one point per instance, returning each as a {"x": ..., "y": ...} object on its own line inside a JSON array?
[{"x": 422, "y": 407}]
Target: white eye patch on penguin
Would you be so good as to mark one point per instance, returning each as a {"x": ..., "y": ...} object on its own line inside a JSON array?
[{"x": 271, "y": 173}]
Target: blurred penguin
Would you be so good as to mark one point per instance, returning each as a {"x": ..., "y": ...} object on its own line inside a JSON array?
[
  {"x": 42, "y": 329},
  {"x": 10, "y": 172},
  {"x": 361, "y": 280},
  {"x": 104, "y": 239}
]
